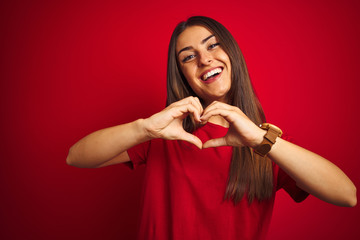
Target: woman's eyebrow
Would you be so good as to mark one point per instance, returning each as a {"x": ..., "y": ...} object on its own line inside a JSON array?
[
  {"x": 202, "y": 42},
  {"x": 205, "y": 39}
]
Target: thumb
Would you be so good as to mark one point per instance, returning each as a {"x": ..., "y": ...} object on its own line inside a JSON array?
[
  {"x": 216, "y": 142},
  {"x": 191, "y": 139}
]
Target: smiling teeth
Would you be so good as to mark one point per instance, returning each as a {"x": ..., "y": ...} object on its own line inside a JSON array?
[{"x": 211, "y": 73}]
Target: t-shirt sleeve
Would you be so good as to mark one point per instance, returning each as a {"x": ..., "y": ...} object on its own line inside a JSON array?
[
  {"x": 289, "y": 185},
  {"x": 138, "y": 154}
]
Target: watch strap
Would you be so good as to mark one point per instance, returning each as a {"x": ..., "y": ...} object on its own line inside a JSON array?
[
  {"x": 269, "y": 139},
  {"x": 271, "y": 135}
]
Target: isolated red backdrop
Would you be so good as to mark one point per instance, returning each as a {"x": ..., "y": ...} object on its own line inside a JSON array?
[{"x": 68, "y": 68}]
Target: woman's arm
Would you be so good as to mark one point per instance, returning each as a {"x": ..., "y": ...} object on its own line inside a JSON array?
[
  {"x": 312, "y": 173},
  {"x": 108, "y": 146}
]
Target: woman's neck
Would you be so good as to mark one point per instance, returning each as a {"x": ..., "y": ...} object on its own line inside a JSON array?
[{"x": 218, "y": 120}]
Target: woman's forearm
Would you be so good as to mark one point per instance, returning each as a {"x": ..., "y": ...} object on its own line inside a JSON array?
[
  {"x": 101, "y": 146},
  {"x": 314, "y": 174},
  {"x": 108, "y": 146}
]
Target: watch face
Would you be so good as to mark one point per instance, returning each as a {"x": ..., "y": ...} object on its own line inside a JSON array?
[{"x": 267, "y": 126}]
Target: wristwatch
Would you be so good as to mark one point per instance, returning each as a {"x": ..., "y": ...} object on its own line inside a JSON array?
[{"x": 269, "y": 139}]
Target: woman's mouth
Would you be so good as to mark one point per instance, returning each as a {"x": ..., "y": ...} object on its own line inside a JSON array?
[{"x": 211, "y": 74}]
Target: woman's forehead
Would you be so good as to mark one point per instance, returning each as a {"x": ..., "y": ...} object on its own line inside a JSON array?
[{"x": 191, "y": 36}]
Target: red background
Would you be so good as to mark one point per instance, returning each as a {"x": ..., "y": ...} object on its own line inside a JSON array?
[{"x": 68, "y": 68}]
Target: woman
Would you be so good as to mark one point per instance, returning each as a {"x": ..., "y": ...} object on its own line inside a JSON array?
[{"x": 211, "y": 171}]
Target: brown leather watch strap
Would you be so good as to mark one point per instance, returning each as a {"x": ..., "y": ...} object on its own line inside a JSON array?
[
  {"x": 269, "y": 139},
  {"x": 271, "y": 135}
]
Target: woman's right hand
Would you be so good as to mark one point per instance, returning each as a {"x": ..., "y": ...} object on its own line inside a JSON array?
[{"x": 167, "y": 124}]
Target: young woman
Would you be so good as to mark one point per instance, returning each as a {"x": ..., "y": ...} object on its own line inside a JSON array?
[{"x": 211, "y": 171}]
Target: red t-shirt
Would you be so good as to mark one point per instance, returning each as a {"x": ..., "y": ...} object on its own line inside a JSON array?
[{"x": 184, "y": 189}]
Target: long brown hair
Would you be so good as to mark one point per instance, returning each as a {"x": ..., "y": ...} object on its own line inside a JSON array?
[{"x": 249, "y": 173}]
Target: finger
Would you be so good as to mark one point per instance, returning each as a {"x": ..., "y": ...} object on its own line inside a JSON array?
[
  {"x": 209, "y": 106},
  {"x": 186, "y": 100},
  {"x": 229, "y": 115},
  {"x": 216, "y": 142},
  {"x": 196, "y": 102},
  {"x": 191, "y": 139},
  {"x": 181, "y": 102},
  {"x": 215, "y": 105},
  {"x": 184, "y": 109},
  {"x": 206, "y": 110},
  {"x": 199, "y": 103},
  {"x": 190, "y": 100}
]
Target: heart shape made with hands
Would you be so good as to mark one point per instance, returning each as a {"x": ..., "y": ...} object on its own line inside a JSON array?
[
  {"x": 242, "y": 131},
  {"x": 215, "y": 142}
]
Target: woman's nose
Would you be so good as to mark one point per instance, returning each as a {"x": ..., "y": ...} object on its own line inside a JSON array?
[{"x": 205, "y": 58}]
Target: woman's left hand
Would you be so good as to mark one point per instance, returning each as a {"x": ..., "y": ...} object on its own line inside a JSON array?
[{"x": 242, "y": 131}]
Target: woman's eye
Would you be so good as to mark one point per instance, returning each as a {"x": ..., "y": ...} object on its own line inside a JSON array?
[
  {"x": 213, "y": 45},
  {"x": 188, "y": 58}
]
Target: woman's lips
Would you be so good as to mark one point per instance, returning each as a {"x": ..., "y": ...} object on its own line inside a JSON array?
[{"x": 211, "y": 75}]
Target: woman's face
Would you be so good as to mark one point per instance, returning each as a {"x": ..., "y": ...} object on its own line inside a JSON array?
[{"x": 204, "y": 64}]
